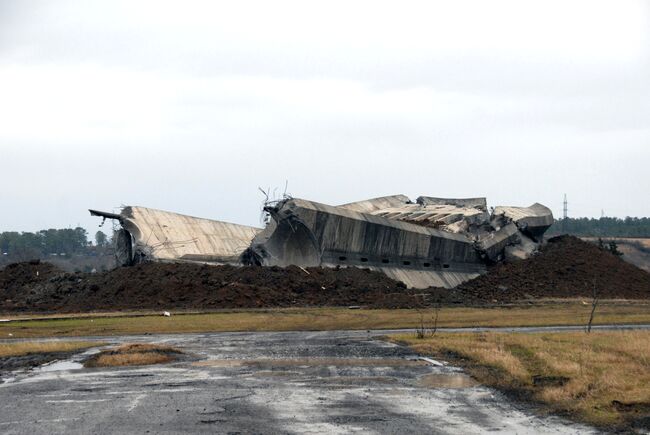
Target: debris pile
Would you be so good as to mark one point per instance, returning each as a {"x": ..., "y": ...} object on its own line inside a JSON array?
[{"x": 432, "y": 242}]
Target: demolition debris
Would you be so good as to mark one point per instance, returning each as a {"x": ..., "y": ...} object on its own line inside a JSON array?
[{"x": 430, "y": 242}]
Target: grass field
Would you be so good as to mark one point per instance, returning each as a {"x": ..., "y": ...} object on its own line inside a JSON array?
[
  {"x": 25, "y": 348},
  {"x": 602, "y": 378},
  {"x": 550, "y": 313}
]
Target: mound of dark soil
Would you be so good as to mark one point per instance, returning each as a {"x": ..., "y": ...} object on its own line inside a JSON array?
[
  {"x": 16, "y": 277},
  {"x": 566, "y": 267},
  {"x": 18, "y": 274},
  {"x": 192, "y": 286}
]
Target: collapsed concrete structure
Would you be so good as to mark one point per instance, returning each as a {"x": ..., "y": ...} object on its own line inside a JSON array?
[
  {"x": 148, "y": 234},
  {"x": 429, "y": 242}
]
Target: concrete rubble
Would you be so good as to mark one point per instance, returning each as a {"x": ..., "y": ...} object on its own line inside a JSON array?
[{"x": 429, "y": 242}]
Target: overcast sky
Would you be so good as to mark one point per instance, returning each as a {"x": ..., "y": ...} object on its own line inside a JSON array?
[{"x": 190, "y": 106}]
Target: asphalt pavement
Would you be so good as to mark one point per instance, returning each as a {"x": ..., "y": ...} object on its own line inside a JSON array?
[{"x": 270, "y": 382}]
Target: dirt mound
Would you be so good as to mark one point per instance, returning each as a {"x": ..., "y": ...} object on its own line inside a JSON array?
[
  {"x": 186, "y": 286},
  {"x": 15, "y": 277},
  {"x": 566, "y": 267},
  {"x": 134, "y": 354}
]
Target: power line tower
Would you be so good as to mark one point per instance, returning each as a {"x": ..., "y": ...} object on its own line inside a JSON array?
[{"x": 564, "y": 214}]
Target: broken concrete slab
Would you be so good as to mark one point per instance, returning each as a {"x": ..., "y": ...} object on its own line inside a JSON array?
[
  {"x": 493, "y": 244},
  {"x": 374, "y": 204},
  {"x": 479, "y": 203},
  {"x": 434, "y": 216},
  {"x": 526, "y": 248},
  {"x": 533, "y": 220}
]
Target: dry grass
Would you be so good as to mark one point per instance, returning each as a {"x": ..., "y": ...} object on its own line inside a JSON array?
[
  {"x": 26, "y": 348},
  {"x": 134, "y": 354},
  {"x": 543, "y": 313},
  {"x": 602, "y": 378},
  {"x": 145, "y": 347},
  {"x": 131, "y": 359}
]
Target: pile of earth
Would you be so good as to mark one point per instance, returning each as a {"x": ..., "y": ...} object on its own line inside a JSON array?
[
  {"x": 195, "y": 286},
  {"x": 17, "y": 275},
  {"x": 566, "y": 267}
]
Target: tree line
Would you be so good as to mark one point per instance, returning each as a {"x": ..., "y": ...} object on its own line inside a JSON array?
[
  {"x": 67, "y": 241},
  {"x": 602, "y": 227}
]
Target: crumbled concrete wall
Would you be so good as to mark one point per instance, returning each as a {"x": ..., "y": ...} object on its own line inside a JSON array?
[
  {"x": 430, "y": 242},
  {"x": 313, "y": 234}
]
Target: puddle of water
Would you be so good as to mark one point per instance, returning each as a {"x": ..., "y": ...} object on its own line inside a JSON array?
[
  {"x": 59, "y": 366},
  {"x": 219, "y": 363},
  {"x": 311, "y": 362},
  {"x": 353, "y": 380},
  {"x": 431, "y": 361},
  {"x": 447, "y": 380},
  {"x": 274, "y": 373}
]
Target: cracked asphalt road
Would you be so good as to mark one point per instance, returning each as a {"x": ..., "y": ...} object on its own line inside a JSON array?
[{"x": 288, "y": 382}]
